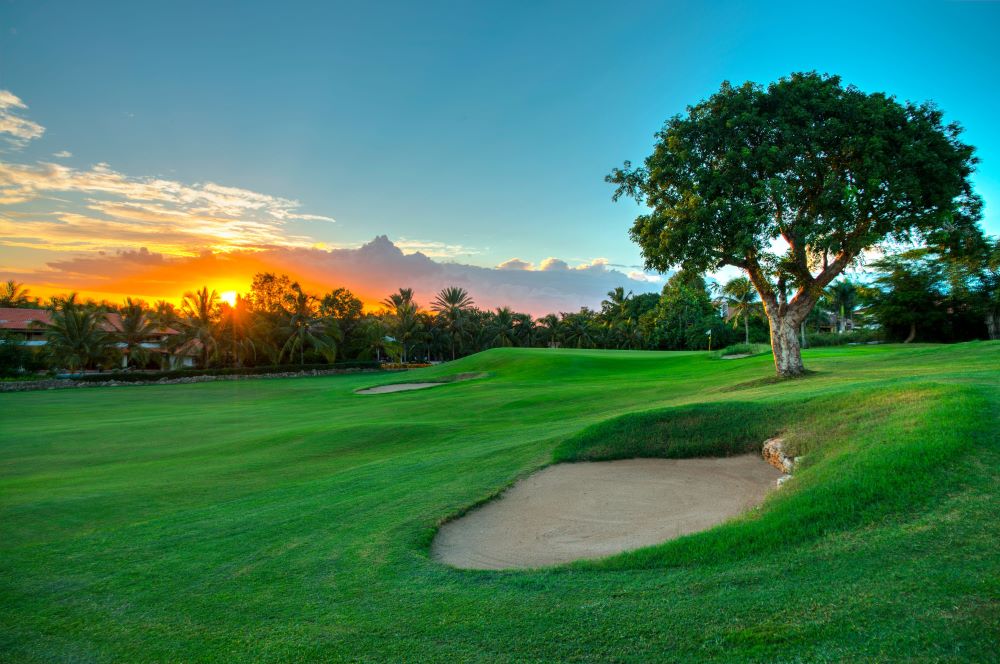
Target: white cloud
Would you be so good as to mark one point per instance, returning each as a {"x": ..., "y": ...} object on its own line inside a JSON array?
[
  {"x": 435, "y": 249},
  {"x": 551, "y": 264},
  {"x": 514, "y": 264},
  {"x": 18, "y": 130},
  {"x": 120, "y": 210},
  {"x": 370, "y": 271},
  {"x": 62, "y": 154},
  {"x": 636, "y": 275}
]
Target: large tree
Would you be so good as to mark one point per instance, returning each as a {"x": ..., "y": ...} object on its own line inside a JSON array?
[{"x": 791, "y": 183}]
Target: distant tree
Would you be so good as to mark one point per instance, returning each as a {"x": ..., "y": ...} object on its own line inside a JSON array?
[
  {"x": 615, "y": 308},
  {"x": 77, "y": 336},
  {"x": 164, "y": 314},
  {"x": 828, "y": 169},
  {"x": 988, "y": 286},
  {"x": 235, "y": 332},
  {"x": 14, "y": 294},
  {"x": 549, "y": 329},
  {"x": 910, "y": 294},
  {"x": 525, "y": 329},
  {"x": 404, "y": 320},
  {"x": 348, "y": 310},
  {"x": 376, "y": 341},
  {"x": 581, "y": 329},
  {"x": 451, "y": 305},
  {"x": 685, "y": 314},
  {"x": 401, "y": 298},
  {"x": 14, "y": 357},
  {"x": 308, "y": 328},
  {"x": 136, "y": 328},
  {"x": 270, "y": 293},
  {"x": 843, "y": 297},
  {"x": 741, "y": 303},
  {"x": 199, "y": 315},
  {"x": 501, "y": 330}
]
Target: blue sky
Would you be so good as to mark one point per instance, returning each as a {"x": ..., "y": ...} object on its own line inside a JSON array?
[{"x": 479, "y": 132}]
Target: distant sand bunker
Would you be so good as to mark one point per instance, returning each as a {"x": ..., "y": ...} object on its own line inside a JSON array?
[
  {"x": 594, "y": 509},
  {"x": 405, "y": 387},
  {"x": 398, "y": 387}
]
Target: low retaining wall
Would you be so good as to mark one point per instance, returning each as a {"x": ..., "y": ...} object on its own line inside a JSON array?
[{"x": 64, "y": 383}]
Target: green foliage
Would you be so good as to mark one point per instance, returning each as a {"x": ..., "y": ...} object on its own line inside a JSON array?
[
  {"x": 15, "y": 359},
  {"x": 830, "y": 169},
  {"x": 144, "y": 376},
  {"x": 743, "y": 349},
  {"x": 684, "y": 315},
  {"x": 77, "y": 337},
  {"x": 817, "y": 339}
]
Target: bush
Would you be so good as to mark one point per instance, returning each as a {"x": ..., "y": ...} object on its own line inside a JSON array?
[
  {"x": 744, "y": 349},
  {"x": 817, "y": 339},
  {"x": 139, "y": 376}
]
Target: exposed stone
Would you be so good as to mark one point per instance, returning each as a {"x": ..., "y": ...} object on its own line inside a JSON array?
[{"x": 774, "y": 453}]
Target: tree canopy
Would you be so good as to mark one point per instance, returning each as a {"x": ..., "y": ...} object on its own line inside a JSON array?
[{"x": 792, "y": 182}]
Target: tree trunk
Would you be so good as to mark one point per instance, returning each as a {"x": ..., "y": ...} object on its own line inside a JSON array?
[
  {"x": 746, "y": 330},
  {"x": 913, "y": 333},
  {"x": 993, "y": 324},
  {"x": 785, "y": 345}
]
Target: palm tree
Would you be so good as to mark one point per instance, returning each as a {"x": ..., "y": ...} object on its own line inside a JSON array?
[
  {"x": 501, "y": 330},
  {"x": 741, "y": 302},
  {"x": 843, "y": 296},
  {"x": 405, "y": 319},
  {"x": 451, "y": 304},
  {"x": 402, "y": 298},
  {"x": 615, "y": 308},
  {"x": 549, "y": 326},
  {"x": 76, "y": 336},
  {"x": 136, "y": 328},
  {"x": 579, "y": 329},
  {"x": 199, "y": 314},
  {"x": 14, "y": 294},
  {"x": 526, "y": 328},
  {"x": 307, "y": 327},
  {"x": 375, "y": 333},
  {"x": 236, "y": 328}
]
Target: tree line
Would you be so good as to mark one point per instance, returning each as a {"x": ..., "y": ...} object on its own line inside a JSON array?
[{"x": 922, "y": 294}]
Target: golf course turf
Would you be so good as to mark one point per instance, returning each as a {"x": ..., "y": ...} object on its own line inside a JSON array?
[{"x": 292, "y": 519}]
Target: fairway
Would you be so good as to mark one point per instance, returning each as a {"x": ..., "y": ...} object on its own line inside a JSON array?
[{"x": 292, "y": 519}]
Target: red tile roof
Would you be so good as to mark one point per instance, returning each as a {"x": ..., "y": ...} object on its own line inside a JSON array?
[{"x": 13, "y": 318}]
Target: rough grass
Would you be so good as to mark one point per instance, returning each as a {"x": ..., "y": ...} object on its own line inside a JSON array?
[{"x": 289, "y": 520}]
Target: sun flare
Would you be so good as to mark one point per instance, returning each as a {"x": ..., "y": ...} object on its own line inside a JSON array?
[{"x": 229, "y": 297}]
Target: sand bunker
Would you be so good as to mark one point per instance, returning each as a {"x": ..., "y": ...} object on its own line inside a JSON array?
[
  {"x": 398, "y": 387},
  {"x": 405, "y": 387},
  {"x": 590, "y": 510}
]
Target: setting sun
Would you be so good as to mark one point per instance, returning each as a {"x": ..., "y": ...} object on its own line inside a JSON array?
[{"x": 229, "y": 297}]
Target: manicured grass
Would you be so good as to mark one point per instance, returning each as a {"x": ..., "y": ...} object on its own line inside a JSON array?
[{"x": 290, "y": 519}]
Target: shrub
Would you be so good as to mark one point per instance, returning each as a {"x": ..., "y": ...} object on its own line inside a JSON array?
[
  {"x": 138, "y": 376},
  {"x": 744, "y": 349},
  {"x": 817, "y": 339}
]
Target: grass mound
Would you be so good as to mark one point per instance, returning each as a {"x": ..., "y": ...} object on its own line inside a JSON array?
[{"x": 696, "y": 430}]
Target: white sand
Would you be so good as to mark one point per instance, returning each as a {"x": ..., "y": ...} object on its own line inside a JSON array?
[{"x": 590, "y": 510}]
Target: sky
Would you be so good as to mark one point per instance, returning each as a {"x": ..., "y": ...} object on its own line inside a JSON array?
[{"x": 148, "y": 148}]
